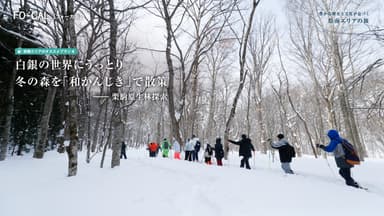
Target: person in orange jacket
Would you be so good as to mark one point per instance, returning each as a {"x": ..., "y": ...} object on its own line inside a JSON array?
[{"x": 153, "y": 148}]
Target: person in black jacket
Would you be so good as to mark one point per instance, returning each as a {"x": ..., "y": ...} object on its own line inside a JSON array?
[
  {"x": 208, "y": 154},
  {"x": 122, "y": 152},
  {"x": 219, "y": 152},
  {"x": 286, "y": 153},
  {"x": 245, "y": 150},
  {"x": 196, "y": 150}
]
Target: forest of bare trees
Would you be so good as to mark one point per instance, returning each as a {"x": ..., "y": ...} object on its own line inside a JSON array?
[{"x": 228, "y": 70}]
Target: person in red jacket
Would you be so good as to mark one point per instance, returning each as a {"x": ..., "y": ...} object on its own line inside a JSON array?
[{"x": 153, "y": 148}]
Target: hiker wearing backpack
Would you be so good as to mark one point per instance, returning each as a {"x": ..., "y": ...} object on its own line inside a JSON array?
[
  {"x": 286, "y": 152},
  {"x": 153, "y": 149},
  {"x": 219, "y": 152},
  {"x": 245, "y": 150},
  {"x": 165, "y": 146},
  {"x": 344, "y": 157},
  {"x": 208, "y": 154}
]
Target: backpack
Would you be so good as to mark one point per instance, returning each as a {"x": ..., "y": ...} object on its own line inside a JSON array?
[
  {"x": 292, "y": 151},
  {"x": 165, "y": 145},
  {"x": 350, "y": 152},
  {"x": 208, "y": 152}
]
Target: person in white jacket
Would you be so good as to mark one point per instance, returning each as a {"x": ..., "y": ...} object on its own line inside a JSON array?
[
  {"x": 176, "y": 149},
  {"x": 189, "y": 150}
]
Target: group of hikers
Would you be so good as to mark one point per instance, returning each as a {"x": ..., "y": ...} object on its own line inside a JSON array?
[
  {"x": 191, "y": 149},
  {"x": 338, "y": 145}
]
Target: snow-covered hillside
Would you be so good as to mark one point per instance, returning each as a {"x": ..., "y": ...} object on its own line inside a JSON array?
[{"x": 158, "y": 186}]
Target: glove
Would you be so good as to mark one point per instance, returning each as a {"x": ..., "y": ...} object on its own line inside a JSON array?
[{"x": 320, "y": 146}]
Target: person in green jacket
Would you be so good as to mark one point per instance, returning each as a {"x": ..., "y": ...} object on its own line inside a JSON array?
[{"x": 165, "y": 146}]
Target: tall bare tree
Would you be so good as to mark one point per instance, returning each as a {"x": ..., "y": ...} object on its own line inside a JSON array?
[
  {"x": 243, "y": 47},
  {"x": 70, "y": 41},
  {"x": 261, "y": 47},
  {"x": 168, "y": 12}
]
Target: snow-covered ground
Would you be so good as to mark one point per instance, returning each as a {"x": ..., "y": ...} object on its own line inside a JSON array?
[{"x": 158, "y": 186}]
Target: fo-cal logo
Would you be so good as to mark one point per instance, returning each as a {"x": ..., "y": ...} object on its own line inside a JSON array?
[{"x": 34, "y": 15}]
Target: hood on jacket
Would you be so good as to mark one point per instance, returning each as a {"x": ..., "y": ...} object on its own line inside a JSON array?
[{"x": 333, "y": 134}]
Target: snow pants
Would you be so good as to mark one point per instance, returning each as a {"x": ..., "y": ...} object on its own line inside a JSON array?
[
  {"x": 246, "y": 162},
  {"x": 176, "y": 155},
  {"x": 287, "y": 168},
  {"x": 122, "y": 154},
  {"x": 346, "y": 174},
  {"x": 152, "y": 154},
  {"x": 219, "y": 162},
  {"x": 188, "y": 155},
  {"x": 195, "y": 155},
  {"x": 165, "y": 152},
  {"x": 208, "y": 160}
]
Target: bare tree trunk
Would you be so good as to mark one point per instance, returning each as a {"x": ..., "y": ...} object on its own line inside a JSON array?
[
  {"x": 88, "y": 106},
  {"x": 260, "y": 119},
  {"x": 211, "y": 109},
  {"x": 195, "y": 82},
  {"x": 331, "y": 116},
  {"x": 347, "y": 113},
  {"x": 298, "y": 114},
  {"x": 105, "y": 146},
  {"x": 69, "y": 40},
  {"x": 158, "y": 130},
  {"x": 319, "y": 123},
  {"x": 194, "y": 100},
  {"x": 95, "y": 137},
  {"x": 286, "y": 121},
  {"x": 249, "y": 109},
  {"x": 243, "y": 75},
  {"x": 261, "y": 48},
  {"x": 116, "y": 113},
  {"x": 4, "y": 139},
  {"x": 303, "y": 121},
  {"x": 171, "y": 73},
  {"x": 44, "y": 123}
]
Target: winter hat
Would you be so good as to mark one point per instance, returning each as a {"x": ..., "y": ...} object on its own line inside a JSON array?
[
  {"x": 243, "y": 136},
  {"x": 218, "y": 140},
  {"x": 280, "y": 136}
]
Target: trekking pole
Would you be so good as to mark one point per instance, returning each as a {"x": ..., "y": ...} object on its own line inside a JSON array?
[
  {"x": 329, "y": 166},
  {"x": 254, "y": 159},
  {"x": 269, "y": 159}
]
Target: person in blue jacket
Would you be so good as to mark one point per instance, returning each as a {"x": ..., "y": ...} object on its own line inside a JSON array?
[{"x": 336, "y": 147}]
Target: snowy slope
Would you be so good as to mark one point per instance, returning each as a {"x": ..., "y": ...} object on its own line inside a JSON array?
[{"x": 147, "y": 186}]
